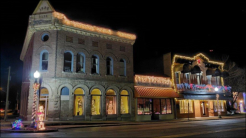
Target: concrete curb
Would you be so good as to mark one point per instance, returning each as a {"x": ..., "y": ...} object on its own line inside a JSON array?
[{"x": 30, "y": 130}]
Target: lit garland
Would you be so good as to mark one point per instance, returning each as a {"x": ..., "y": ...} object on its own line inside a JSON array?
[
  {"x": 40, "y": 122},
  {"x": 193, "y": 58},
  {"x": 88, "y": 27},
  {"x": 35, "y": 88},
  {"x": 17, "y": 124}
]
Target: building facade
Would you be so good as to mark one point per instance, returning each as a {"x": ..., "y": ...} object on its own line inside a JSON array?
[
  {"x": 86, "y": 70},
  {"x": 200, "y": 84}
]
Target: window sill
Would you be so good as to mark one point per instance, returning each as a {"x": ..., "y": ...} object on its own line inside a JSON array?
[
  {"x": 81, "y": 73},
  {"x": 95, "y": 74},
  {"x": 67, "y": 72}
]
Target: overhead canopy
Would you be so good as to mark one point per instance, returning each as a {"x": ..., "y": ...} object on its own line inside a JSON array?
[
  {"x": 195, "y": 69},
  {"x": 209, "y": 71},
  {"x": 217, "y": 72},
  {"x": 186, "y": 68},
  {"x": 155, "y": 92},
  {"x": 206, "y": 97}
]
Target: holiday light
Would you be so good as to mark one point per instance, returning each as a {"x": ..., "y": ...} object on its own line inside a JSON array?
[
  {"x": 17, "y": 124},
  {"x": 40, "y": 122},
  {"x": 89, "y": 27},
  {"x": 151, "y": 80},
  {"x": 193, "y": 58}
]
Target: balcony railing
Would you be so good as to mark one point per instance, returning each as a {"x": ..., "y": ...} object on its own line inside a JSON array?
[{"x": 203, "y": 88}]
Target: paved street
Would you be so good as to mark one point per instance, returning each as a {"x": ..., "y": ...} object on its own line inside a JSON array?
[{"x": 207, "y": 128}]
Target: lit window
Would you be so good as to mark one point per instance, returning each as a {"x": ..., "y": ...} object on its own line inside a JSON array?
[
  {"x": 184, "y": 106},
  {"x": 122, "y": 67},
  {"x": 110, "y": 102},
  {"x": 144, "y": 106},
  {"x": 95, "y": 102},
  {"x": 166, "y": 106},
  {"x": 219, "y": 105},
  {"x": 80, "y": 67},
  {"x": 68, "y": 62},
  {"x": 124, "y": 102},
  {"x": 177, "y": 77},
  {"x": 95, "y": 65},
  {"x": 78, "y": 102},
  {"x": 44, "y": 61},
  {"x": 109, "y": 64}
]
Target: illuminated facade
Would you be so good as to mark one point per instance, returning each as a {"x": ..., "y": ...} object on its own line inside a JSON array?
[
  {"x": 198, "y": 80},
  {"x": 86, "y": 70},
  {"x": 154, "y": 98}
]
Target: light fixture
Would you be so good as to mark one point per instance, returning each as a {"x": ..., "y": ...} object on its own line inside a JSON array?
[
  {"x": 216, "y": 89},
  {"x": 36, "y": 74}
]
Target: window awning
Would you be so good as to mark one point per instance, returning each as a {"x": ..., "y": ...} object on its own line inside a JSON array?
[{"x": 154, "y": 92}]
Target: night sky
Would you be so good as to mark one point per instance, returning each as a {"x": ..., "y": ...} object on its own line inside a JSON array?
[{"x": 160, "y": 27}]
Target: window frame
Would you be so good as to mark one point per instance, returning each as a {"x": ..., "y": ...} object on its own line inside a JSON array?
[
  {"x": 41, "y": 61},
  {"x": 109, "y": 67},
  {"x": 96, "y": 64},
  {"x": 71, "y": 68},
  {"x": 124, "y": 67},
  {"x": 83, "y": 62}
]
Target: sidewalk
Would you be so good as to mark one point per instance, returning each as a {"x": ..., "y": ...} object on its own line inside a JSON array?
[{"x": 80, "y": 124}]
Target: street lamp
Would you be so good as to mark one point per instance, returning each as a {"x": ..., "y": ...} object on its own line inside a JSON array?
[
  {"x": 216, "y": 89},
  {"x": 34, "y": 105}
]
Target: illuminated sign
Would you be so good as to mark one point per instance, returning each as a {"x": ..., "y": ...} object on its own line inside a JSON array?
[{"x": 141, "y": 80}]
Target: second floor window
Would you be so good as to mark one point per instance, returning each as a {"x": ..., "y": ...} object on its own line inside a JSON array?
[
  {"x": 109, "y": 64},
  {"x": 122, "y": 67},
  {"x": 80, "y": 67},
  {"x": 177, "y": 77},
  {"x": 44, "y": 61},
  {"x": 187, "y": 76},
  {"x": 68, "y": 62},
  {"x": 94, "y": 65}
]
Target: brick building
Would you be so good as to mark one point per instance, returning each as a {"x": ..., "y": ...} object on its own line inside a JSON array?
[{"x": 86, "y": 70}]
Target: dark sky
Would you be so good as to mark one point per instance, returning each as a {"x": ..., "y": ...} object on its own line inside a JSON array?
[{"x": 161, "y": 27}]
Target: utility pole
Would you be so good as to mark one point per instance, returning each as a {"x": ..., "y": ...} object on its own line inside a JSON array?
[{"x": 7, "y": 97}]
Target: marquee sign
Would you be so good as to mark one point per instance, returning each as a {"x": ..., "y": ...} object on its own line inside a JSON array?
[{"x": 141, "y": 80}]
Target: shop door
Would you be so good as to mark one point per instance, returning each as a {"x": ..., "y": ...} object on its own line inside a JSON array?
[
  {"x": 155, "y": 109},
  {"x": 44, "y": 102}
]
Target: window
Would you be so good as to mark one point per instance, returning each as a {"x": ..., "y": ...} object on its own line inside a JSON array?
[
  {"x": 187, "y": 76},
  {"x": 94, "y": 44},
  {"x": 109, "y": 46},
  {"x": 68, "y": 62},
  {"x": 209, "y": 77},
  {"x": 219, "y": 105},
  {"x": 177, "y": 77},
  {"x": 45, "y": 37},
  {"x": 44, "y": 61},
  {"x": 109, "y": 64},
  {"x": 69, "y": 39},
  {"x": 183, "y": 104},
  {"x": 80, "y": 67},
  {"x": 144, "y": 106},
  {"x": 81, "y": 41},
  {"x": 217, "y": 80},
  {"x": 122, "y": 67},
  {"x": 78, "y": 102},
  {"x": 122, "y": 48},
  {"x": 65, "y": 91},
  {"x": 95, "y": 102},
  {"x": 124, "y": 102},
  {"x": 166, "y": 106},
  {"x": 110, "y": 102},
  {"x": 94, "y": 65}
]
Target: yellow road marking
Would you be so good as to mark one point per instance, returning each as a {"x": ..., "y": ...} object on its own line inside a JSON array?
[{"x": 199, "y": 133}]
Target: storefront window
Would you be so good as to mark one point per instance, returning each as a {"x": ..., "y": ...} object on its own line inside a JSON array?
[
  {"x": 184, "y": 106},
  {"x": 110, "y": 102},
  {"x": 124, "y": 102},
  {"x": 220, "y": 106},
  {"x": 78, "y": 102},
  {"x": 166, "y": 106},
  {"x": 95, "y": 102},
  {"x": 144, "y": 106}
]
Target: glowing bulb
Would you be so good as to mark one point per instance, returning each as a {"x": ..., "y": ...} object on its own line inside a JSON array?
[
  {"x": 36, "y": 74},
  {"x": 216, "y": 89}
]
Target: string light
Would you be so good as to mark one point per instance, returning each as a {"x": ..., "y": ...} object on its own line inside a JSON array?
[
  {"x": 151, "y": 80},
  {"x": 193, "y": 58},
  {"x": 89, "y": 27}
]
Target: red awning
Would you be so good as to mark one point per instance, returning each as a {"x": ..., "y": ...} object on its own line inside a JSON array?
[{"x": 154, "y": 92}]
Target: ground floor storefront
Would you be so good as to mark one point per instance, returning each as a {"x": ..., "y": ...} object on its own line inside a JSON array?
[{"x": 200, "y": 108}]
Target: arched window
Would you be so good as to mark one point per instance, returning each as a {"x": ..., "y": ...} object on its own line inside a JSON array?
[
  {"x": 94, "y": 64},
  {"x": 95, "y": 102},
  {"x": 68, "y": 62},
  {"x": 65, "y": 91},
  {"x": 80, "y": 67},
  {"x": 124, "y": 102},
  {"x": 122, "y": 67},
  {"x": 110, "y": 102},
  {"x": 44, "y": 57},
  {"x": 79, "y": 102},
  {"x": 109, "y": 65}
]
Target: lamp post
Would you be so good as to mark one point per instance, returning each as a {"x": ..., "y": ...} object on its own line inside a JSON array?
[{"x": 34, "y": 105}]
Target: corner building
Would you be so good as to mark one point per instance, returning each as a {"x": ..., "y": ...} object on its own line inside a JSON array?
[{"x": 86, "y": 70}]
